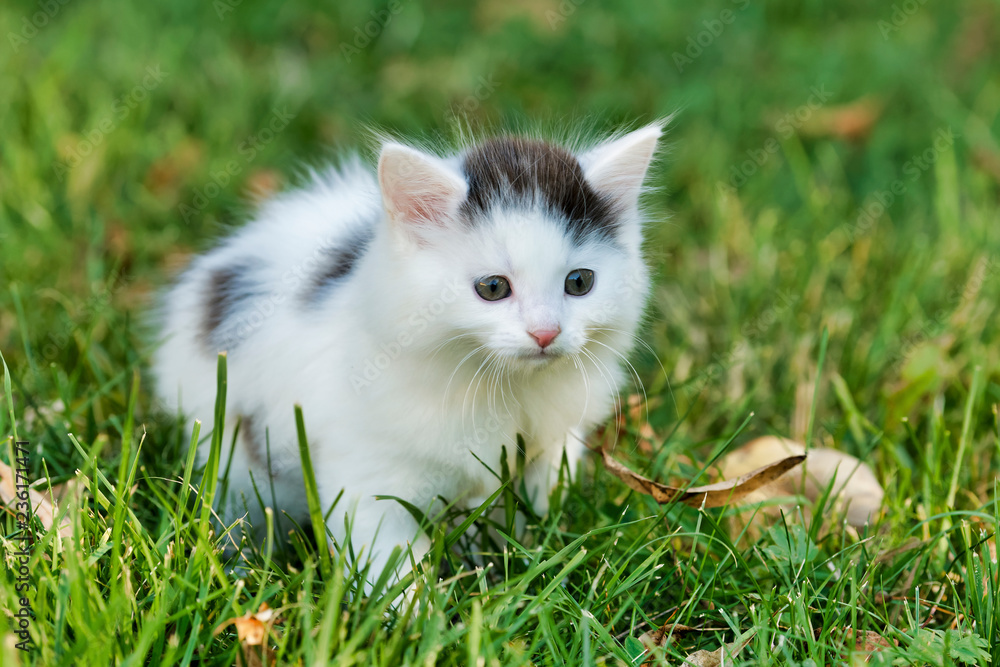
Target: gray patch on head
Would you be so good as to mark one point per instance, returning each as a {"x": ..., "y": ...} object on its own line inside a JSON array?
[
  {"x": 514, "y": 171},
  {"x": 230, "y": 290},
  {"x": 339, "y": 261}
]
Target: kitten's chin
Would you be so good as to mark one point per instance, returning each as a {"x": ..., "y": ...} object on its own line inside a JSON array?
[{"x": 535, "y": 359}]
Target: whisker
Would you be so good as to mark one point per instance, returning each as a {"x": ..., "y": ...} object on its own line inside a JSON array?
[
  {"x": 586, "y": 380},
  {"x": 439, "y": 347},
  {"x": 452, "y": 377},
  {"x": 469, "y": 388},
  {"x": 638, "y": 380},
  {"x": 608, "y": 379},
  {"x": 639, "y": 340}
]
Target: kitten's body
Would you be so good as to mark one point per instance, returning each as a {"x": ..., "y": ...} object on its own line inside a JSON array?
[{"x": 356, "y": 298}]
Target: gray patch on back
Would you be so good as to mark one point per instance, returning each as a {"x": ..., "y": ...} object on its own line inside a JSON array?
[
  {"x": 338, "y": 262},
  {"x": 231, "y": 291}
]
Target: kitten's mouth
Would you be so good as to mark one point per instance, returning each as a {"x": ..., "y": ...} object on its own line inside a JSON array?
[{"x": 540, "y": 356}]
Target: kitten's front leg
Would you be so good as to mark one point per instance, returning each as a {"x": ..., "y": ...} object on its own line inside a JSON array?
[
  {"x": 375, "y": 528},
  {"x": 542, "y": 472}
]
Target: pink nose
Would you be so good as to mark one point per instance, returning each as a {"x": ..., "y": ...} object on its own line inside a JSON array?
[{"x": 544, "y": 337}]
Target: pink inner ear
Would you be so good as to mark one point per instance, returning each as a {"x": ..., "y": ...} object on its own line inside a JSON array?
[
  {"x": 427, "y": 206},
  {"x": 418, "y": 188},
  {"x": 618, "y": 168}
]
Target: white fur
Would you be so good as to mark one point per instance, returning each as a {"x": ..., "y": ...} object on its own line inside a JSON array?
[{"x": 405, "y": 375}]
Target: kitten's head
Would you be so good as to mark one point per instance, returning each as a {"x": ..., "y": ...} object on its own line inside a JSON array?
[{"x": 521, "y": 249}]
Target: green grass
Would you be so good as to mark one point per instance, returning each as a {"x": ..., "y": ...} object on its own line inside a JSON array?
[{"x": 131, "y": 134}]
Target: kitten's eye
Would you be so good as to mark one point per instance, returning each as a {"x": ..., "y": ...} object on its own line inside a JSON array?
[
  {"x": 493, "y": 288},
  {"x": 579, "y": 282}
]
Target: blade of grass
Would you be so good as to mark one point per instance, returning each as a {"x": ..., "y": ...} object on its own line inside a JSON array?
[
  {"x": 312, "y": 494},
  {"x": 963, "y": 440},
  {"x": 210, "y": 479},
  {"x": 819, "y": 378},
  {"x": 124, "y": 483}
]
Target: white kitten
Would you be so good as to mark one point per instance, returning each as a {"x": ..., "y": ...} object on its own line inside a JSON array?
[{"x": 422, "y": 320}]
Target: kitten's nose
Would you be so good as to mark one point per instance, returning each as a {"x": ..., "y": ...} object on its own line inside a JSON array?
[{"x": 544, "y": 337}]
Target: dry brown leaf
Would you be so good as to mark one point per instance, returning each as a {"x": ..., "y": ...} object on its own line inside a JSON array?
[
  {"x": 654, "y": 639},
  {"x": 251, "y": 627},
  {"x": 658, "y": 638},
  {"x": 42, "y": 507},
  {"x": 854, "y": 484},
  {"x": 865, "y": 644},
  {"x": 723, "y": 655},
  {"x": 711, "y": 495}
]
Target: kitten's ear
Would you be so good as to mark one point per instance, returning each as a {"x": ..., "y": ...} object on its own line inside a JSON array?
[
  {"x": 617, "y": 168},
  {"x": 417, "y": 188}
]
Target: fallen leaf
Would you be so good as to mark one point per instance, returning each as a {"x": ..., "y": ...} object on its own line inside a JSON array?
[
  {"x": 659, "y": 638},
  {"x": 723, "y": 655},
  {"x": 42, "y": 507},
  {"x": 865, "y": 644},
  {"x": 711, "y": 495},
  {"x": 854, "y": 485},
  {"x": 251, "y": 627}
]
